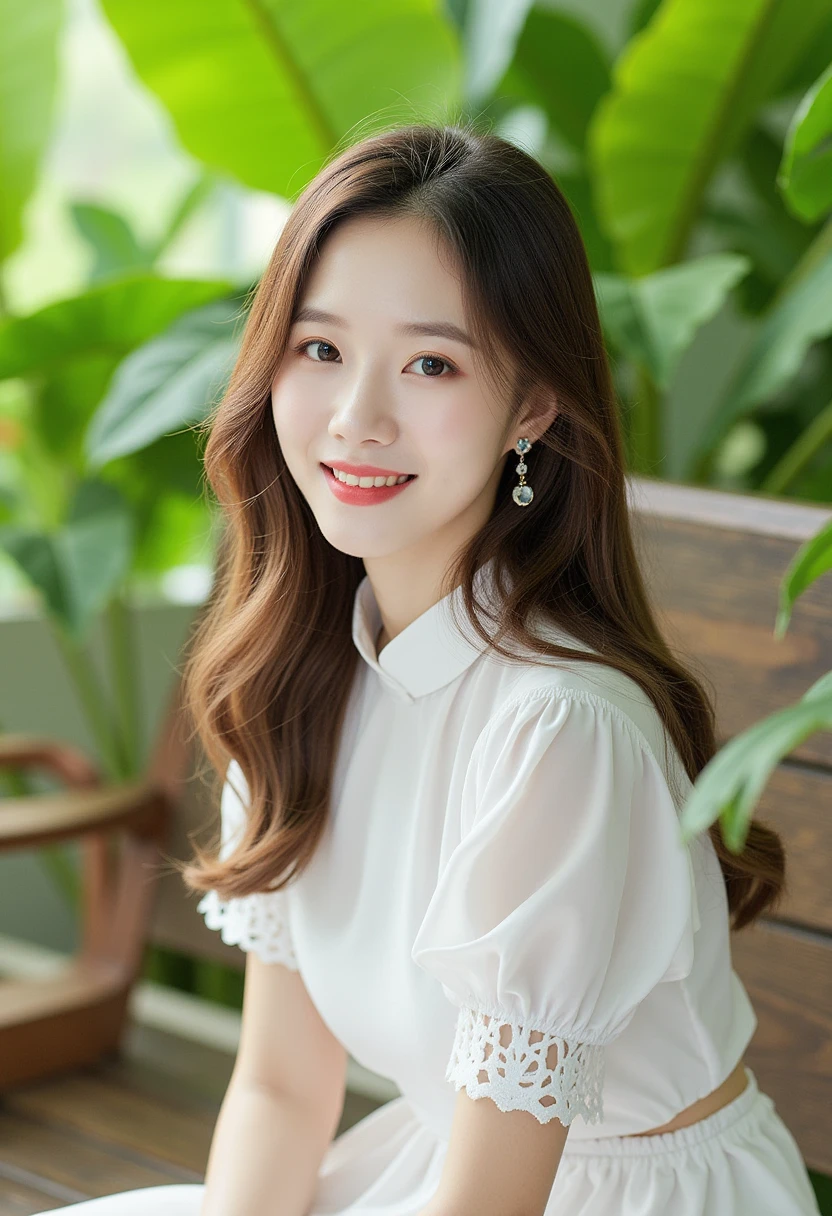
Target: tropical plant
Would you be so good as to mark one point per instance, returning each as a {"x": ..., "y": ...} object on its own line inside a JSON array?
[
  {"x": 695, "y": 155},
  {"x": 100, "y": 467},
  {"x": 101, "y": 478},
  {"x": 123, "y": 370}
]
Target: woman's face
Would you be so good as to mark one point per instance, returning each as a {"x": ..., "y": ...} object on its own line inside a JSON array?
[{"x": 387, "y": 380}]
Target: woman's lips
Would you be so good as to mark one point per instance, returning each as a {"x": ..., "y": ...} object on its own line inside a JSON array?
[{"x": 359, "y": 495}]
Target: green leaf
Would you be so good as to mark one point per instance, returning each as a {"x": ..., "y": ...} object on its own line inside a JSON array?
[
  {"x": 8, "y": 502},
  {"x": 578, "y": 193},
  {"x": 28, "y": 76},
  {"x": 175, "y": 534},
  {"x": 641, "y": 13},
  {"x": 173, "y": 464},
  {"x": 71, "y": 348},
  {"x": 95, "y": 545},
  {"x": 267, "y": 89},
  {"x": 685, "y": 91},
  {"x": 815, "y": 59},
  {"x": 765, "y": 236},
  {"x": 813, "y": 559},
  {"x": 167, "y": 383},
  {"x": 117, "y": 248},
  {"x": 190, "y": 202},
  {"x": 114, "y": 317},
  {"x": 799, "y": 317},
  {"x": 807, "y": 460},
  {"x": 170, "y": 469},
  {"x": 564, "y": 69},
  {"x": 821, "y": 688},
  {"x": 490, "y": 34},
  {"x": 758, "y": 223},
  {"x": 805, "y": 176},
  {"x": 731, "y": 783},
  {"x": 653, "y": 319},
  {"x": 34, "y": 554},
  {"x": 63, "y": 402},
  {"x": 77, "y": 568},
  {"x": 115, "y": 245}
]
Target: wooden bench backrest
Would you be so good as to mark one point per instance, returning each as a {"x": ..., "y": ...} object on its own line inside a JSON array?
[{"x": 713, "y": 562}]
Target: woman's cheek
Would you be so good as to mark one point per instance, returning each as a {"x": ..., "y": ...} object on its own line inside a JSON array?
[{"x": 293, "y": 418}]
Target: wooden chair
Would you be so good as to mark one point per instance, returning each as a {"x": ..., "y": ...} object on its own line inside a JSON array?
[
  {"x": 48, "y": 1025},
  {"x": 713, "y": 562}
]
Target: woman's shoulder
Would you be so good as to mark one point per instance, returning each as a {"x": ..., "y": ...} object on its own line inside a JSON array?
[{"x": 597, "y": 685}]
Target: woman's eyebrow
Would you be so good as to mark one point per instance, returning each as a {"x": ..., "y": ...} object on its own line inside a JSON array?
[{"x": 433, "y": 329}]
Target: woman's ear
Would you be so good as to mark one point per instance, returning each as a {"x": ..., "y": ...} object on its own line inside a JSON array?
[{"x": 538, "y": 417}]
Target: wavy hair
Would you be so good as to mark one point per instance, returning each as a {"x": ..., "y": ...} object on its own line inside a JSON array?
[{"x": 271, "y": 660}]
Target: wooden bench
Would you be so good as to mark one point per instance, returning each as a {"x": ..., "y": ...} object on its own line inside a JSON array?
[{"x": 714, "y": 562}]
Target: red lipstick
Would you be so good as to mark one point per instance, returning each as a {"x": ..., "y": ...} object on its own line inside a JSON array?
[{"x": 363, "y": 496}]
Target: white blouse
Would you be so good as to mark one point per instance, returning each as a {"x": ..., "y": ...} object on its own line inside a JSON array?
[{"x": 501, "y": 900}]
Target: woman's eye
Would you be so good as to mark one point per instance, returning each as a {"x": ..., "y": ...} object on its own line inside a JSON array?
[
  {"x": 434, "y": 359},
  {"x": 316, "y": 342}
]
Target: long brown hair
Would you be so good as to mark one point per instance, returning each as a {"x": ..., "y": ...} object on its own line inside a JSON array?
[{"x": 271, "y": 661}]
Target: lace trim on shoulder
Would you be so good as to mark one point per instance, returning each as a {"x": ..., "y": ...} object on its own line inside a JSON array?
[
  {"x": 532, "y": 1070},
  {"x": 252, "y": 922}
]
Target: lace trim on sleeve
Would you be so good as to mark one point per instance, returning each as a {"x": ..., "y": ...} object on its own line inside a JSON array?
[
  {"x": 253, "y": 922},
  {"x": 533, "y": 1070}
]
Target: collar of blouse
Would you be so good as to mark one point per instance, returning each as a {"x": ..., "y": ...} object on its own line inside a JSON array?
[{"x": 431, "y": 651}]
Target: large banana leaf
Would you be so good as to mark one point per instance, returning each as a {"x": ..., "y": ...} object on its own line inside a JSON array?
[
  {"x": 685, "y": 91},
  {"x": 28, "y": 71},
  {"x": 265, "y": 90}
]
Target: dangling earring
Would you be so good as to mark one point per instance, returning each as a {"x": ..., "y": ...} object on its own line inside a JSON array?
[{"x": 522, "y": 494}]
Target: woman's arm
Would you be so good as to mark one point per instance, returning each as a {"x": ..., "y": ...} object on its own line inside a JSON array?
[
  {"x": 283, "y": 1102},
  {"x": 498, "y": 1163},
  {"x": 265, "y": 1155}
]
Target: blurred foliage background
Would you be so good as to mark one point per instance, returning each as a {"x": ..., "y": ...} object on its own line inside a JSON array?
[{"x": 149, "y": 153}]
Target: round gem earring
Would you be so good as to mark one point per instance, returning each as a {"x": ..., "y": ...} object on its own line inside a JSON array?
[{"x": 522, "y": 494}]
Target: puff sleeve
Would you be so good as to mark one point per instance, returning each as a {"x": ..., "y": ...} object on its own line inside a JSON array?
[
  {"x": 568, "y": 898},
  {"x": 258, "y": 922}
]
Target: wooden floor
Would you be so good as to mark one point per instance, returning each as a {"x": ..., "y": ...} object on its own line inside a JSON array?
[{"x": 142, "y": 1119}]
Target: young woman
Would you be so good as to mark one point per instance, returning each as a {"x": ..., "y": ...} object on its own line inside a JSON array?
[{"x": 455, "y": 744}]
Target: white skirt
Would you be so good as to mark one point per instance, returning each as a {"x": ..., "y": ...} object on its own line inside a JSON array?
[{"x": 740, "y": 1160}]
